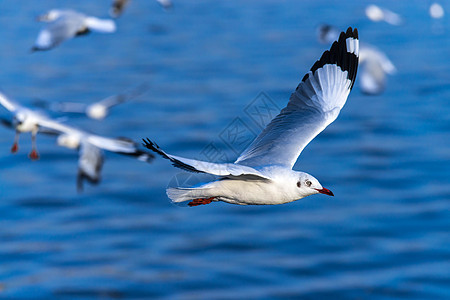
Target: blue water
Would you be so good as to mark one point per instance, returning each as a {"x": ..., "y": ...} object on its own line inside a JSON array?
[{"x": 385, "y": 234}]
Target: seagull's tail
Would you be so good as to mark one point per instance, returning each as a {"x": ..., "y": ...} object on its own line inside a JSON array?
[
  {"x": 187, "y": 187},
  {"x": 178, "y": 195}
]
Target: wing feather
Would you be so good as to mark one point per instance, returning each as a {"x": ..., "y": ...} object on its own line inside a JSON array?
[
  {"x": 315, "y": 103},
  {"x": 197, "y": 166}
]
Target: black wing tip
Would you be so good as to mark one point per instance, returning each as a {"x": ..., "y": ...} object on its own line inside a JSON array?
[
  {"x": 150, "y": 145},
  {"x": 81, "y": 177},
  {"x": 155, "y": 148},
  {"x": 339, "y": 55},
  {"x": 175, "y": 162},
  {"x": 349, "y": 33}
]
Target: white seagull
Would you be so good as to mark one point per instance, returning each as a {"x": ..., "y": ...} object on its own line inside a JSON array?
[
  {"x": 23, "y": 120},
  {"x": 374, "y": 63},
  {"x": 90, "y": 146},
  {"x": 263, "y": 173},
  {"x": 97, "y": 110},
  {"x": 377, "y": 14},
  {"x": 64, "y": 24}
]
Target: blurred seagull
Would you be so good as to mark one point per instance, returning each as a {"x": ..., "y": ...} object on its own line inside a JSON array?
[
  {"x": 377, "y": 14},
  {"x": 374, "y": 64},
  {"x": 90, "y": 146},
  {"x": 436, "y": 11},
  {"x": 166, "y": 4},
  {"x": 263, "y": 173},
  {"x": 64, "y": 24},
  {"x": 97, "y": 110},
  {"x": 118, "y": 6},
  {"x": 374, "y": 67},
  {"x": 23, "y": 120}
]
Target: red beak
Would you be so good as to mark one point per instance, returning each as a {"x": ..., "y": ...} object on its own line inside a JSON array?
[{"x": 325, "y": 191}]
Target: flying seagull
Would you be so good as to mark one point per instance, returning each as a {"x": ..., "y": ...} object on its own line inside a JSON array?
[
  {"x": 118, "y": 6},
  {"x": 23, "y": 120},
  {"x": 263, "y": 173},
  {"x": 377, "y": 14},
  {"x": 64, "y": 24},
  {"x": 374, "y": 63},
  {"x": 97, "y": 110},
  {"x": 90, "y": 146}
]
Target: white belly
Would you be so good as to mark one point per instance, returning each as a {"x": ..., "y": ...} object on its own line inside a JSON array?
[{"x": 251, "y": 192}]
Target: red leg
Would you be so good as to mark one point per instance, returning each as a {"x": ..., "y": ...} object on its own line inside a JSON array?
[
  {"x": 15, "y": 146},
  {"x": 33, "y": 154},
  {"x": 200, "y": 201}
]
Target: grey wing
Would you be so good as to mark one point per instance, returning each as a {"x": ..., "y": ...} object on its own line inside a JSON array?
[
  {"x": 198, "y": 166},
  {"x": 110, "y": 101},
  {"x": 90, "y": 163},
  {"x": 315, "y": 103},
  {"x": 60, "y": 107},
  {"x": 122, "y": 97}
]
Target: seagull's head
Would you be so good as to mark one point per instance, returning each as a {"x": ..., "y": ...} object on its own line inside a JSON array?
[
  {"x": 68, "y": 141},
  {"x": 308, "y": 185},
  {"x": 97, "y": 111}
]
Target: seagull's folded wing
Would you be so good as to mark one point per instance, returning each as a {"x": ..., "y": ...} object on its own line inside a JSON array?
[
  {"x": 315, "y": 103},
  {"x": 198, "y": 166}
]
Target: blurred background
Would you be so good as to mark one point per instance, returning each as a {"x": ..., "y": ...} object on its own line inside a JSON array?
[{"x": 385, "y": 234}]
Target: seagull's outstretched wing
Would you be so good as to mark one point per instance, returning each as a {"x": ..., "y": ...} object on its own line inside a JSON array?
[
  {"x": 198, "y": 166},
  {"x": 8, "y": 103},
  {"x": 315, "y": 103},
  {"x": 118, "y": 145},
  {"x": 114, "y": 100},
  {"x": 100, "y": 25},
  {"x": 122, "y": 146}
]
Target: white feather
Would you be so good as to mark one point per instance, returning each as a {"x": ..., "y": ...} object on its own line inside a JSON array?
[{"x": 100, "y": 25}]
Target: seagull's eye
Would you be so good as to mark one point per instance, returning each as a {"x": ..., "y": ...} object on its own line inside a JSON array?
[
  {"x": 299, "y": 184},
  {"x": 308, "y": 183}
]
